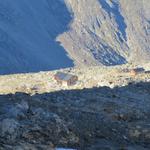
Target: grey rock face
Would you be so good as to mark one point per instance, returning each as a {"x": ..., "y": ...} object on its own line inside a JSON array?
[
  {"x": 9, "y": 129},
  {"x": 19, "y": 110},
  {"x": 108, "y": 32}
]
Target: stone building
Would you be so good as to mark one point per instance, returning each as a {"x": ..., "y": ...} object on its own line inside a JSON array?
[{"x": 65, "y": 78}]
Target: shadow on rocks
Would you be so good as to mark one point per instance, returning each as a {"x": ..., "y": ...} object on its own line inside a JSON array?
[{"x": 77, "y": 118}]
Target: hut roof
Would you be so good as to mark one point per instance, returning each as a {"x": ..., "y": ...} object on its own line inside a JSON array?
[{"x": 63, "y": 76}]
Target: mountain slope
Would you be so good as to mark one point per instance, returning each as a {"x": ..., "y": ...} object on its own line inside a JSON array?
[
  {"x": 28, "y": 30},
  {"x": 109, "y": 32},
  {"x": 39, "y": 35}
]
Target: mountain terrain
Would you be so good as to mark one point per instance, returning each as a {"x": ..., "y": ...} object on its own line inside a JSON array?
[
  {"x": 107, "y": 108},
  {"x": 105, "y": 44},
  {"x": 108, "y": 32},
  {"x": 53, "y": 34}
]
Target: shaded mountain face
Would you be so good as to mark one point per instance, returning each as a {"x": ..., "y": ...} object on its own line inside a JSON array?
[
  {"x": 28, "y": 29},
  {"x": 39, "y": 35}
]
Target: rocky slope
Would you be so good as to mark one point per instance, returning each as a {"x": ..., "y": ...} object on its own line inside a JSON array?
[
  {"x": 108, "y": 32},
  {"x": 91, "y": 32},
  {"x": 108, "y": 108}
]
